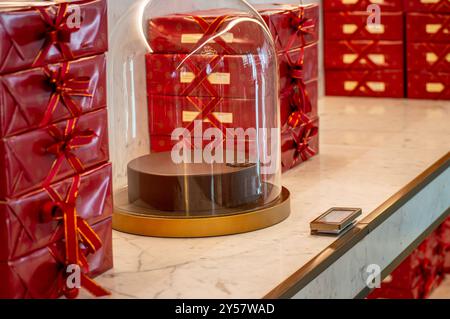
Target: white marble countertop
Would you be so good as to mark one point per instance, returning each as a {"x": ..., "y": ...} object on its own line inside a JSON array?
[{"x": 370, "y": 149}]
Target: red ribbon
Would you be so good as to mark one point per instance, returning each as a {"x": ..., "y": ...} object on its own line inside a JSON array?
[
  {"x": 64, "y": 88},
  {"x": 201, "y": 76},
  {"x": 301, "y": 26},
  {"x": 302, "y": 139},
  {"x": 296, "y": 92},
  {"x": 210, "y": 29},
  {"x": 362, "y": 53},
  {"x": 77, "y": 234},
  {"x": 58, "y": 34},
  {"x": 66, "y": 143}
]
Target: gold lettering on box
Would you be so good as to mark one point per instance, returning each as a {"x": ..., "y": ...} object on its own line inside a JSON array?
[
  {"x": 225, "y": 118},
  {"x": 377, "y": 86},
  {"x": 349, "y": 28},
  {"x": 377, "y": 1},
  {"x": 378, "y": 59},
  {"x": 433, "y": 28},
  {"x": 349, "y": 1},
  {"x": 435, "y": 87},
  {"x": 431, "y": 57},
  {"x": 192, "y": 38},
  {"x": 349, "y": 58},
  {"x": 214, "y": 78},
  {"x": 447, "y": 57},
  {"x": 375, "y": 28},
  {"x": 350, "y": 85},
  {"x": 429, "y": 1}
]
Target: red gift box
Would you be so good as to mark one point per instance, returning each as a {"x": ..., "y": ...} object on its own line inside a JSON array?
[
  {"x": 184, "y": 33},
  {"x": 375, "y": 83},
  {"x": 44, "y": 95},
  {"x": 433, "y": 57},
  {"x": 291, "y": 26},
  {"x": 40, "y": 275},
  {"x": 300, "y": 64},
  {"x": 361, "y": 5},
  {"x": 427, "y": 27},
  {"x": 393, "y": 293},
  {"x": 408, "y": 275},
  {"x": 353, "y": 26},
  {"x": 362, "y": 55},
  {"x": 60, "y": 150},
  {"x": 427, "y": 85},
  {"x": 231, "y": 76},
  {"x": 168, "y": 113},
  {"x": 299, "y": 144},
  {"x": 37, "y": 36},
  {"x": 439, "y": 6},
  {"x": 291, "y": 103},
  {"x": 22, "y": 228}
]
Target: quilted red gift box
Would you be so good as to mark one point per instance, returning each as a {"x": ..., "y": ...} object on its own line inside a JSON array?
[
  {"x": 37, "y": 36},
  {"x": 22, "y": 228},
  {"x": 52, "y": 153},
  {"x": 299, "y": 144},
  {"x": 433, "y": 57},
  {"x": 394, "y": 293},
  {"x": 184, "y": 33},
  {"x": 361, "y": 5},
  {"x": 375, "y": 83},
  {"x": 364, "y": 55},
  {"x": 302, "y": 64},
  {"x": 40, "y": 275},
  {"x": 44, "y": 95},
  {"x": 170, "y": 112},
  {"x": 427, "y": 27},
  {"x": 292, "y": 26},
  {"x": 295, "y": 102},
  {"x": 438, "y": 6},
  {"x": 230, "y": 76},
  {"x": 353, "y": 26},
  {"x": 429, "y": 85}
]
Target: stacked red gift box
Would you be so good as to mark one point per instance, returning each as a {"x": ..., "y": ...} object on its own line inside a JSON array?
[
  {"x": 422, "y": 271},
  {"x": 295, "y": 30},
  {"x": 428, "y": 49},
  {"x": 191, "y": 94},
  {"x": 55, "y": 182},
  {"x": 213, "y": 84},
  {"x": 361, "y": 58}
]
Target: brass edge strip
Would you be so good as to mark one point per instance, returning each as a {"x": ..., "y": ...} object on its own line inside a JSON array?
[{"x": 303, "y": 276}]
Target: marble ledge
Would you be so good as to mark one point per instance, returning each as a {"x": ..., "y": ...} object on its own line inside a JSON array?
[{"x": 370, "y": 149}]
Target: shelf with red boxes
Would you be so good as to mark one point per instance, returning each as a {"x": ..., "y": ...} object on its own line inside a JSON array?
[
  {"x": 422, "y": 271},
  {"x": 55, "y": 183},
  {"x": 428, "y": 49},
  {"x": 362, "y": 59}
]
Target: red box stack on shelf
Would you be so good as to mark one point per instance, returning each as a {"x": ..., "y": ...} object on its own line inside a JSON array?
[
  {"x": 428, "y": 49},
  {"x": 362, "y": 59},
  {"x": 422, "y": 271},
  {"x": 295, "y": 30},
  {"x": 55, "y": 180}
]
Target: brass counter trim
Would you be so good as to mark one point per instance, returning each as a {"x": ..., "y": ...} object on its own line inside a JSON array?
[
  {"x": 302, "y": 277},
  {"x": 205, "y": 226}
]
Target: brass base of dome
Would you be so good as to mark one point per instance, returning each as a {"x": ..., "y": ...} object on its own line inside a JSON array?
[{"x": 247, "y": 221}]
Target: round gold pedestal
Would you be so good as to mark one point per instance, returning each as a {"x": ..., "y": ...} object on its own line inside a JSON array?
[{"x": 156, "y": 226}]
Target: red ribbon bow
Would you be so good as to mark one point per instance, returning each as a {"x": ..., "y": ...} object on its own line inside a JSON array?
[
  {"x": 66, "y": 143},
  {"x": 64, "y": 88},
  {"x": 58, "y": 34},
  {"x": 80, "y": 239},
  {"x": 301, "y": 25},
  {"x": 302, "y": 139}
]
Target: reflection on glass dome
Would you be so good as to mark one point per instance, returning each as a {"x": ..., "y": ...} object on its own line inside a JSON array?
[{"x": 195, "y": 120}]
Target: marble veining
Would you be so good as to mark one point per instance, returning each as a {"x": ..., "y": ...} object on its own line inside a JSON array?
[{"x": 370, "y": 149}]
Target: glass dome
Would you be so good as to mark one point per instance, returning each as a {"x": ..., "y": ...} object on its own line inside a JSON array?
[{"x": 195, "y": 136}]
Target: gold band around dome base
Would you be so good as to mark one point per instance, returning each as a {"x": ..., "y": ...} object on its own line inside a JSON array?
[{"x": 154, "y": 226}]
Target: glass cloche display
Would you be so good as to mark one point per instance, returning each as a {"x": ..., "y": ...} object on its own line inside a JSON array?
[{"x": 195, "y": 123}]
